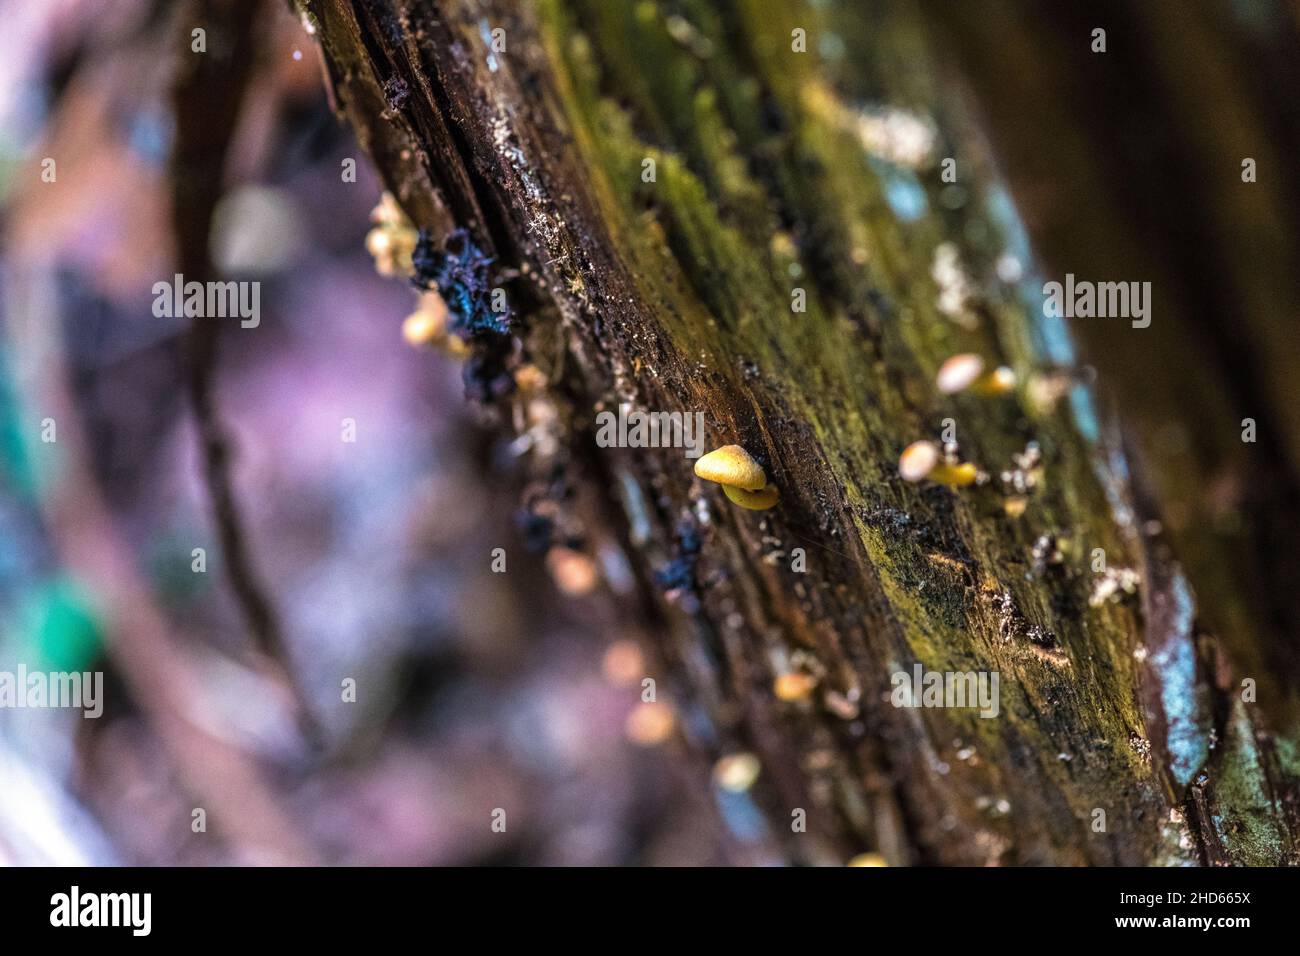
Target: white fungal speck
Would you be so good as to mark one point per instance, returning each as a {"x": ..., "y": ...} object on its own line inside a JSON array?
[
  {"x": 896, "y": 135},
  {"x": 887, "y": 132},
  {"x": 956, "y": 290},
  {"x": 1113, "y": 584}
]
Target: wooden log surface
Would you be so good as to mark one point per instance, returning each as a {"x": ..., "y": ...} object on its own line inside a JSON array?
[{"x": 786, "y": 178}]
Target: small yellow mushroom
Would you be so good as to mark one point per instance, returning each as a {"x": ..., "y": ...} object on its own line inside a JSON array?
[
  {"x": 868, "y": 859},
  {"x": 955, "y": 476},
  {"x": 574, "y": 573},
  {"x": 649, "y": 725},
  {"x": 965, "y": 372},
  {"x": 794, "y": 685},
  {"x": 1000, "y": 381},
  {"x": 530, "y": 379},
  {"x": 753, "y": 500},
  {"x": 918, "y": 460},
  {"x": 378, "y": 242},
  {"x": 923, "y": 460},
  {"x": 734, "y": 467},
  {"x": 737, "y": 772},
  {"x": 387, "y": 211},
  {"x": 424, "y": 327},
  {"x": 427, "y": 325},
  {"x": 392, "y": 240},
  {"x": 623, "y": 664}
]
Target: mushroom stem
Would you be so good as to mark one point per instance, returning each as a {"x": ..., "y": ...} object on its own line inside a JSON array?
[{"x": 1000, "y": 381}]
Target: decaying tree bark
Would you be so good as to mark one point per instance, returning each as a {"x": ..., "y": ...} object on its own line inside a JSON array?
[{"x": 689, "y": 212}]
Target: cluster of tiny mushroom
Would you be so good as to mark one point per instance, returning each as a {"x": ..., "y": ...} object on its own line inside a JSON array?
[
  {"x": 392, "y": 240},
  {"x": 743, "y": 479},
  {"x": 965, "y": 373},
  {"x": 744, "y": 482},
  {"x": 924, "y": 460}
]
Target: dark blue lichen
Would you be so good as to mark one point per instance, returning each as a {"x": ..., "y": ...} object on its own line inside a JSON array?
[
  {"x": 486, "y": 373},
  {"x": 679, "y": 573},
  {"x": 538, "y": 530},
  {"x": 460, "y": 271}
]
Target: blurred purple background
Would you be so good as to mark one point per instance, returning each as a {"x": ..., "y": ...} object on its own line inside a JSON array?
[{"x": 475, "y": 690}]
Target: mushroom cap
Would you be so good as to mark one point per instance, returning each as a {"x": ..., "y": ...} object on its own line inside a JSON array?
[
  {"x": 378, "y": 241},
  {"x": 731, "y": 465},
  {"x": 759, "y": 500},
  {"x": 794, "y": 685},
  {"x": 530, "y": 378},
  {"x": 918, "y": 460},
  {"x": 958, "y": 373},
  {"x": 423, "y": 327},
  {"x": 1001, "y": 380},
  {"x": 737, "y": 772}
]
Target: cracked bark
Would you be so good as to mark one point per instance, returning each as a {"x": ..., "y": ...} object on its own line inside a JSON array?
[{"x": 675, "y": 295}]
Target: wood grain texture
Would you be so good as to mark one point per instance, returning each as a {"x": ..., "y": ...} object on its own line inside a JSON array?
[{"x": 771, "y": 175}]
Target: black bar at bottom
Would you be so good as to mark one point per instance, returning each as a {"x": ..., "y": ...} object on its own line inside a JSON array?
[{"x": 332, "y": 906}]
